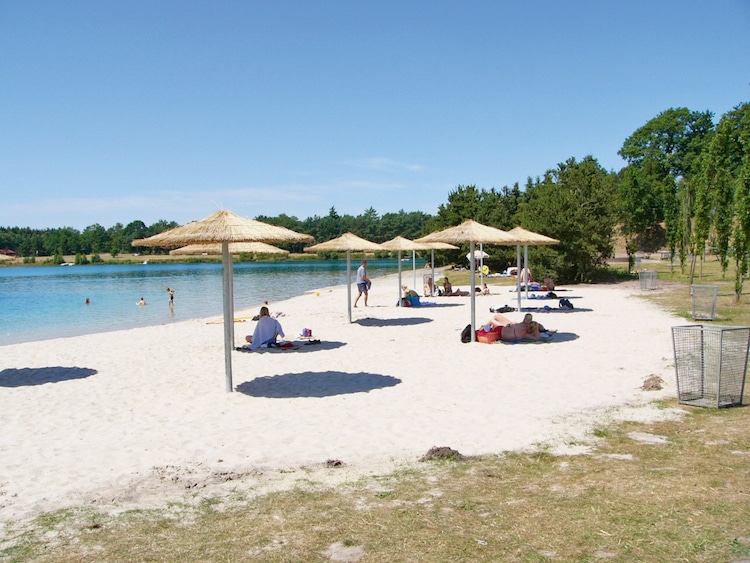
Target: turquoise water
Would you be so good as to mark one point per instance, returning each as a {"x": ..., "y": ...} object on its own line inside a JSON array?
[{"x": 43, "y": 302}]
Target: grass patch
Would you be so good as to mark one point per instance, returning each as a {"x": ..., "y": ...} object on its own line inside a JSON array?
[{"x": 673, "y": 292}]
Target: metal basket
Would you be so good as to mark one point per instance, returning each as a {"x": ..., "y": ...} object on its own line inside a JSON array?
[
  {"x": 648, "y": 279},
  {"x": 710, "y": 364},
  {"x": 704, "y": 301}
]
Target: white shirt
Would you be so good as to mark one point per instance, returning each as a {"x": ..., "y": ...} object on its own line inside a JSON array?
[
  {"x": 265, "y": 331},
  {"x": 361, "y": 274}
]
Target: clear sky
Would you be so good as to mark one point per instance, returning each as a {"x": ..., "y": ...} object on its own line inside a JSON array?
[{"x": 114, "y": 111}]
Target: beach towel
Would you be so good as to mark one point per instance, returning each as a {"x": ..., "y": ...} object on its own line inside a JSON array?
[
  {"x": 274, "y": 347},
  {"x": 527, "y": 341}
]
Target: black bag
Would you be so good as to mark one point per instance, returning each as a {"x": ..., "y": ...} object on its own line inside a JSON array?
[
  {"x": 565, "y": 304},
  {"x": 466, "y": 334}
]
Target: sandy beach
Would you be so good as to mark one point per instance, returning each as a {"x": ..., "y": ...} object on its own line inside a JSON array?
[{"x": 139, "y": 418}]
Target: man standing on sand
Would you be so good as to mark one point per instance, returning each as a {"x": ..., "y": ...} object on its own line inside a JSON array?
[{"x": 363, "y": 282}]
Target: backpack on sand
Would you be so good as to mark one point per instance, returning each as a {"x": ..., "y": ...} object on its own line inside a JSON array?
[
  {"x": 466, "y": 334},
  {"x": 565, "y": 304}
]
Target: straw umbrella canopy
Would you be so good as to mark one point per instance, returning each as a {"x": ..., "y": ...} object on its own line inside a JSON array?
[
  {"x": 472, "y": 232},
  {"x": 234, "y": 248},
  {"x": 400, "y": 244},
  {"x": 527, "y": 238},
  {"x": 224, "y": 227},
  {"x": 347, "y": 242}
]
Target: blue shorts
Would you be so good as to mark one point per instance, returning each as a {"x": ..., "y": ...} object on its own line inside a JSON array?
[{"x": 362, "y": 287}]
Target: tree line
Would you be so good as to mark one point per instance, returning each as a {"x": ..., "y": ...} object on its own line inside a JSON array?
[{"x": 685, "y": 187}]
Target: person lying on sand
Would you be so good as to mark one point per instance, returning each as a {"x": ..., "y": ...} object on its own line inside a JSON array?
[{"x": 528, "y": 328}]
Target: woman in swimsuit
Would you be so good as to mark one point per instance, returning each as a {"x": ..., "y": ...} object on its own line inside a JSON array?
[{"x": 509, "y": 330}]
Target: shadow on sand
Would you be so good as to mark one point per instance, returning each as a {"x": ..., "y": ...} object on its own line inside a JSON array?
[
  {"x": 408, "y": 321},
  {"x": 315, "y": 384},
  {"x": 13, "y": 377}
]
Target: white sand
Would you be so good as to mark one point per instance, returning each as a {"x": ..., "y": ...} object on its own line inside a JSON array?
[{"x": 141, "y": 417}]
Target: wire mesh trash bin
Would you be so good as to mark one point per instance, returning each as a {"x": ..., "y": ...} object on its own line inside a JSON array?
[
  {"x": 710, "y": 363},
  {"x": 648, "y": 279},
  {"x": 704, "y": 301}
]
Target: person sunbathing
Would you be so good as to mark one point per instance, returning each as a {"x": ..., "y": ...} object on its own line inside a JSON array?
[
  {"x": 509, "y": 330},
  {"x": 428, "y": 290},
  {"x": 448, "y": 289}
]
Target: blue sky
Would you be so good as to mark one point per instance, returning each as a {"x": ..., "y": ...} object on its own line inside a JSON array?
[{"x": 146, "y": 110}]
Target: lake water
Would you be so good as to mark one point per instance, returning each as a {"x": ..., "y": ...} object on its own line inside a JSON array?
[{"x": 42, "y": 302}]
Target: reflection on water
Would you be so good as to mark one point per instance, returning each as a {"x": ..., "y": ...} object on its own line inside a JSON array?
[{"x": 42, "y": 302}]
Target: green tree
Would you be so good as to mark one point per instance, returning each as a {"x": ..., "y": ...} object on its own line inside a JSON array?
[
  {"x": 573, "y": 203},
  {"x": 668, "y": 150},
  {"x": 367, "y": 225},
  {"x": 94, "y": 239},
  {"x": 116, "y": 239},
  {"x": 723, "y": 193},
  {"x": 640, "y": 210},
  {"x": 463, "y": 203},
  {"x": 330, "y": 226}
]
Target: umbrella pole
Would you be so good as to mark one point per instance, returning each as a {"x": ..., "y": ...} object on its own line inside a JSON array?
[
  {"x": 398, "y": 301},
  {"x": 433, "y": 271},
  {"x": 518, "y": 275},
  {"x": 349, "y": 282},
  {"x": 226, "y": 261},
  {"x": 526, "y": 267},
  {"x": 481, "y": 264},
  {"x": 414, "y": 267},
  {"x": 473, "y": 296}
]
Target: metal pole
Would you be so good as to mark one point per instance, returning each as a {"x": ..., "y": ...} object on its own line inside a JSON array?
[
  {"x": 518, "y": 275},
  {"x": 349, "y": 283},
  {"x": 398, "y": 301},
  {"x": 473, "y": 295},
  {"x": 527, "y": 272},
  {"x": 481, "y": 264},
  {"x": 226, "y": 261},
  {"x": 433, "y": 270}
]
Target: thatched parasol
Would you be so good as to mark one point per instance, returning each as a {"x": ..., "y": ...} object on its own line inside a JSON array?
[
  {"x": 347, "y": 242},
  {"x": 527, "y": 238},
  {"x": 224, "y": 227},
  {"x": 234, "y": 248},
  {"x": 400, "y": 244},
  {"x": 472, "y": 232}
]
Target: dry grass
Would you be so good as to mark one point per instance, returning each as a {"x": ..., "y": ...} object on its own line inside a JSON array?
[
  {"x": 673, "y": 291},
  {"x": 686, "y": 499},
  {"x": 683, "y": 497}
]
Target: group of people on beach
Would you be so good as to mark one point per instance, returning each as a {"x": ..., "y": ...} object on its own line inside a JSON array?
[{"x": 268, "y": 329}]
